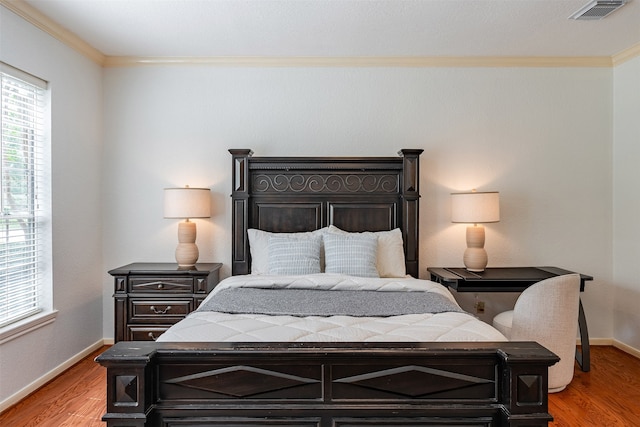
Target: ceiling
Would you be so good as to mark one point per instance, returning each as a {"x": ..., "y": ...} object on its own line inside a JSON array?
[{"x": 343, "y": 28}]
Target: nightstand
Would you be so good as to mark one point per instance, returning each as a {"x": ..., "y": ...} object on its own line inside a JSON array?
[{"x": 150, "y": 297}]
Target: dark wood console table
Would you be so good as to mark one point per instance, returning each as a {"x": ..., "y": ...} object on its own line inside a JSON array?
[{"x": 513, "y": 279}]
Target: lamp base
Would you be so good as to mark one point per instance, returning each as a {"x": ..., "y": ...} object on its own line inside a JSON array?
[
  {"x": 475, "y": 257},
  {"x": 187, "y": 252}
]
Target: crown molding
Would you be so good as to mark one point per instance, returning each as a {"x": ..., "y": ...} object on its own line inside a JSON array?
[
  {"x": 46, "y": 24},
  {"x": 41, "y": 21},
  {"x": 370, "y": 61},
  {"x": 626, "y": 55}
]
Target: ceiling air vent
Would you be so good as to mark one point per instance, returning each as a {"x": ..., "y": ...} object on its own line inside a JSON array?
[{"x": 598, "y": 9}]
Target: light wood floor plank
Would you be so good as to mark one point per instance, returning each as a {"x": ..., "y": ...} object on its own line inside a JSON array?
[{"x": 609, "y": 395}]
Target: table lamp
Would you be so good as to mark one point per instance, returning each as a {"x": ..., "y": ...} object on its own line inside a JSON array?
[
  {"x": 475, "y": 208},
  {"x": 187, "y": 203}
]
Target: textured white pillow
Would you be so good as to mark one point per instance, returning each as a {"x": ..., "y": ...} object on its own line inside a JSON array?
[
  {"x": 351, "y": 254},
  {"x": 259, "y": 247},
  {"x": 390, "y": 260},
  {"x": 294, "y": 256}
]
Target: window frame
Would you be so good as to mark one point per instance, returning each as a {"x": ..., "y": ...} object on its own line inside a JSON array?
[{"x": 36, "y": 174}]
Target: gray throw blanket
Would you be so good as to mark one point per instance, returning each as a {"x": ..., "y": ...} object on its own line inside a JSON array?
[{"x": 304, "y": 302}]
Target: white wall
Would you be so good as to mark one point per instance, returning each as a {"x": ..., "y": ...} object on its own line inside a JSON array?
[
  {"x": 540, "y": 136},
  {"x": 76, "y": 93},
  {"x": 626, "y": 205}
]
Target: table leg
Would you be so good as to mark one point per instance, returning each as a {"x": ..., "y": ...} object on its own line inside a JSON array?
[{"x": 583, "y": 357}]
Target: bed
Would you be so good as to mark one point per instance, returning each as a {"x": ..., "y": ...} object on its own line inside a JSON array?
[{"x": 452, "y": 376}]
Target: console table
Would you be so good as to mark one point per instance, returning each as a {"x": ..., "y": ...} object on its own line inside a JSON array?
[{"x": 513, "y": 279}]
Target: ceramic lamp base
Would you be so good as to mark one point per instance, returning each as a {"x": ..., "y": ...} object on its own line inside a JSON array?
[
  {"x": 187, "y": 252},
  {"x": 475, "y": 257}
]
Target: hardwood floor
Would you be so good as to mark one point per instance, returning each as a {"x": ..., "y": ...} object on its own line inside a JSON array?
[
  {"x": 609, "y": 395},
  {"x": 75, "y": 398}
]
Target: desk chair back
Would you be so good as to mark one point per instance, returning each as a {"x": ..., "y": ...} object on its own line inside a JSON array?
[{"x": 547, "y": 312}]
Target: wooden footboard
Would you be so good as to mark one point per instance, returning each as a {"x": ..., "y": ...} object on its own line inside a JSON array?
[{"x": 326, "y": 384}]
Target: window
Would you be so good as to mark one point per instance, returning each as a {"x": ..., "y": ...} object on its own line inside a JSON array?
[{"x": 24, "y": 197}]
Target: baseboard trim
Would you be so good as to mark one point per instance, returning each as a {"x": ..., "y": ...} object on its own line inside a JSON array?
[
  {"x": 35, "y": 385},
  {"x": 614, "y": 343},
  {"x": 626, "y": 348},
  {"x": 598, "y": 341}
]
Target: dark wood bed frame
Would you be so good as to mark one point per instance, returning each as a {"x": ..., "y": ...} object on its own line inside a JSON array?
[{"x": 326, "y": 384}]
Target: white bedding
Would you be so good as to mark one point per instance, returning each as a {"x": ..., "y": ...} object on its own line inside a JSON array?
[{"x": 203, "y": 326}]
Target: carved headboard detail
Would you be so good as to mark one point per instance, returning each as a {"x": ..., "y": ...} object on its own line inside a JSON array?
[{"x": 293, "y": 194}]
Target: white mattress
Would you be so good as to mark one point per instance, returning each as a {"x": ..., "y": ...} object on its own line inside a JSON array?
[{"x": 203, "y": 326}]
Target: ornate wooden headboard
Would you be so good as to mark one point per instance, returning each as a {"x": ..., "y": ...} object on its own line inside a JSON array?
[{"x": 293, "y": 194}]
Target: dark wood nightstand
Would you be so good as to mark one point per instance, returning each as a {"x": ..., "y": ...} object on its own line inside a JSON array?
[
  {"x": 513, "y": 279},
  {"x": 150, "y": 297}
]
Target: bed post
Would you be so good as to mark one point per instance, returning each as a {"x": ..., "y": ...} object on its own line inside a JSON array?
[
  {"x": 410, "y": 207},
  {"x": 524, "y": 385},
  {"x": 130, "y": 384},
  {"x": 240, "y": 211}
]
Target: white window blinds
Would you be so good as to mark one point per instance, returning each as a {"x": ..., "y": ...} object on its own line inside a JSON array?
[{"x": 23, "y": 195}]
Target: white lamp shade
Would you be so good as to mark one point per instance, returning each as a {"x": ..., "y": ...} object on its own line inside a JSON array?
[
  {"x": 187, "y": 202},
  {"x": 475, "y": 207}
]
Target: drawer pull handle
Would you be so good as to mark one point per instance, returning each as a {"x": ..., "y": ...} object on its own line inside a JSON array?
[
  {"x": 150, "y": 335},
  {"x": 160, "y": 286},
  {"x": 156, "y": 311}
]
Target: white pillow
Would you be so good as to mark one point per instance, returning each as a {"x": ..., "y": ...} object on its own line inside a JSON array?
[
  {"x": 390, "y": 260},
  {"x": 259, "y": 247},
  {"x": 294, "y": 256},
  {"x": 351, "y": 254}
]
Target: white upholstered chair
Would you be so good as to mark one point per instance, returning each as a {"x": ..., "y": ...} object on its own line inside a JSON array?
[{"x": 547, "y": 312}]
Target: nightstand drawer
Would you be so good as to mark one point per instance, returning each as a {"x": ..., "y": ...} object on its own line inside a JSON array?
[
  {"x": 145, "y": 333},
  {"x": 161, "y": 284},
  {"x": 165, "y": 310}
]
